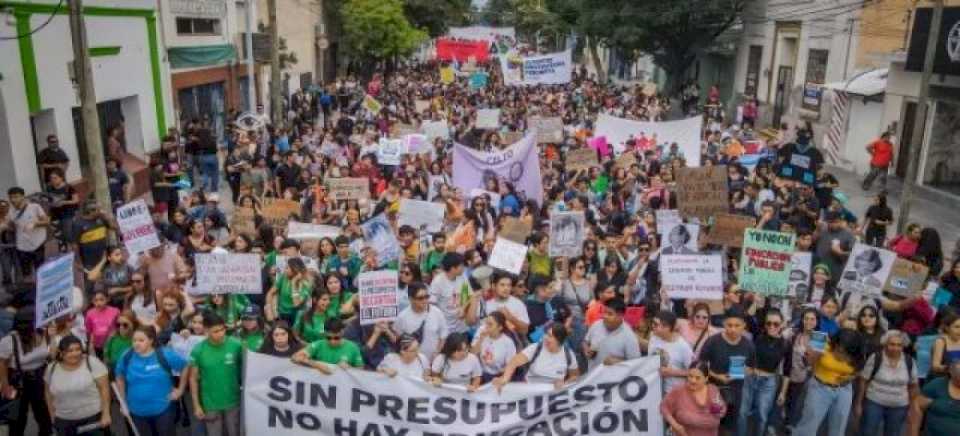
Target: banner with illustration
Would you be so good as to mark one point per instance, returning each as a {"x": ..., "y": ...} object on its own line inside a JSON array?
[
  {"x": 285, "y": 399},
  {"x": 517, "y": 164}
]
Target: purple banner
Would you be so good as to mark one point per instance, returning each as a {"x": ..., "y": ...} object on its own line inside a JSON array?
[{"x": 517, "y": 164}]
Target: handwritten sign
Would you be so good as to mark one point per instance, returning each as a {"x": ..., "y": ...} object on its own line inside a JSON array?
[
  {"x": 906, "y": 278},
  {"x": 516, "y": 230},
  {"x": 277, "y": 212},
  {"x": 389, "y": 151},
  {"x": 702, "y": 192},
  {"x": 488, "y": 119},
  {"x": 378, "y": 296},
  {"x": 227, "y": 273},
  {"x": 728, "y": 229},
  {"x": 136, "y": 226},
  {"x": 422, "y": 215},
  {"x": 298, "y": 230},
  {"x": 54, "y": 290},
  {"x": 692, "y": 276},
  {"x": 765, "y": 261},
  {"x": 508, "y": 256},
  {"x": 549, "y": 129},
  {"x": 349, "y": 188},
  {"x": 243, "y": 221},
  {"x": 582, "y": 159},
  {"x": 421, "y": 106}
]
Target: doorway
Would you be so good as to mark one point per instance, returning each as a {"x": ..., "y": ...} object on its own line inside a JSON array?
[
  {"x": 906, "y": 136},
  {"x": 784, "y": 79}
]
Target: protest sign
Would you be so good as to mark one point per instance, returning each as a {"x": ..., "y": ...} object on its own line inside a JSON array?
[
  {"x": 692, "y": 276},
  {"x": 389, "y": 151},
  {"x": 54, "y": 290},
  {"x": 510, "y": 137},
  {"x": 243, "y": 221},
  {"x": 508, "y": 255},
  {"x": 371, "y": 104},
  {"x": 681, "y": 239},
  {"x": 728, "y": 229},
  {"x": 702, "y": 192},
  {"x": 434, "y": 189},
  {"x": 309, "y": 262},
  {"x": 478, "y": 80},
  {"x": 549, "y": 69},
  {"x": 488, "y": 119},
  {"x": 799, "y": 285},
  {"x": 481, "y": 33},
  {"x": 867, "y": 270},
  {"x": 459, "y": 50},
  {"x": 136, "y": 226},
  {"x": 421, "y": 106},
  {"x": 422, "y": 215},
  {"x": 549, "y": 129},
  {"x": 626, "y": 160},
  {"x": 518, "y": 164},
  {"x": 906, "y": 278},
  {"x": 447, "y": 75},
  {"x": 686, "y": 133},
  {"x": 298, "y": 230},
  {"x": 582, "y": 159},
  {"x": 765, "y": 261},
  {"x": 282, "y": 398},
  {"x": 276, "y": 212},
  {"x": 416, "y": 143},
  {"x": 666, "y": 219},
  {"x": 348, "y": 188},
  {"x": 516, "y": 230},
  {"x": 378, "y": 296},
  {"x": 435, "y": 129},
  {"x": 379, "y": 236},
  {"x": 600, "y": 144},
  {"x": 227, "y": 273},
  {"x": 567, "y": 232}
]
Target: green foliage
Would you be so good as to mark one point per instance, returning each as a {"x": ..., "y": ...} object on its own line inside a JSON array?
[
  {"x": 436, "y": 16},
  {"x": 378, "y": 30}
]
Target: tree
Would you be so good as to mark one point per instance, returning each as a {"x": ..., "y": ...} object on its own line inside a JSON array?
[
  {"x": 376, "y": 31},
  {"x": 436, "y": 16}
]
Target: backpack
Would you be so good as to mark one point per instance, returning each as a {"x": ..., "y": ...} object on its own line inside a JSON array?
[
  {"x": 161, "y": 359},
  {"x": 879, "y": 361},
  {"x": 521, "y": 373}
]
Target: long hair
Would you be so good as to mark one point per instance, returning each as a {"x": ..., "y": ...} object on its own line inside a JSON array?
[
  {"x": 306, "y": 317},
  {"x": 268, "y": 343}
]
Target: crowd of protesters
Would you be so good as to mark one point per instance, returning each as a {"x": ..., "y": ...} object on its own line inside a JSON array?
[{"x": 742, "y": 365}]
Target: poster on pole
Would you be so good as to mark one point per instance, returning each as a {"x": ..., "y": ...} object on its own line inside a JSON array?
[
  {"x": 488, "y": 119},
  {"x": 227, "y": 273},
  {"x": 282, "y": 398},
  {"x": 508, "y": 256},
  {"x": 549, "y": 129},
  {"x": 379, "y": 236},
  {"x": 298, "y": 230},
  {"x": 582, "y": 159},
  {"x": 907, "y": 278},
  {"x": 567, "y": 232},
  {"x": 702, "y": 192},
  {"x": 765, "y": 262},
  {"x": 348, "y": 188},
  {"x": 692, "y": 276},
  {"x": 799, "y": 286},
  {"x": 136, "y": 226},
  {"x": 423, "y": 216},
  {"x": 867, "y": 269},
  {"x": 728, "y": 229},
  {"x": 54, "y": 290},
  {"x": 378, "y": 296}
]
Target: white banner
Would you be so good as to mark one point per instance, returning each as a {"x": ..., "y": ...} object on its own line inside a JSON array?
[
  {"x": 435, "y": 129},
  {"x": 488, "y": 119},
  {"x": 698, "y": 277},
  {"x": 54, "y": 290},
  {"x": 378, "y": 296},
  {"x": 285, "y": 399},
  {"x": 508, "y": 255},
  {"x": 567, "y": 232},
  {"x": 549, "y": 69},
  {"x": 298, "y": 230},
  {"x": 136, "y": 226},
  {"x": 686, "y": 133},
  {"x": 422, "y": 215},
  {"x": 481, "y": 33},
  {"x": 227, "y": 273}
]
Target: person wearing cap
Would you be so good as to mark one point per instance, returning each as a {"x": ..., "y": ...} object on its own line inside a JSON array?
[
  {"x": 250, "y": 332},
  {"x": 834, "y": 244}
]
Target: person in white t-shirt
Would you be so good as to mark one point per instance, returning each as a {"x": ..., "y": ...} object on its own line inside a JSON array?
[
  {"x": 30, "y": 223},
  {"x": 611, "y": 341},
  {"x": 455, "y": 365},
  {"x": 518, "y": 320},
  {"x": 675, "y": 353},
  {"x": 409, "y": 361},
  {"x": 493, "y": 346},
  {"x": 446, "y": 291},
  {"x": 547, "y": 362},
  {"x": 422, "y": 320},
  {"x": 78, "y": 392}
]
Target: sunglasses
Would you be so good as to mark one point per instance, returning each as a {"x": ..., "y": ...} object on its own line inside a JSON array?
[{"x": 124, "y": 325}]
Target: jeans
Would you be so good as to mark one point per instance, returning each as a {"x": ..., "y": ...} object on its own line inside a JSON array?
[
  {"x": 30, "y": 261},
  {"x": 224, "y": 422},
  {"x": 874, "y": 172},
  {"x": 757, "y": 399},
  {"x": 72, "y": 427},
  {"x": 825, "y": 402},
  {"x": 209, "y": 172},
  {"x": 874, "y": 414},
  {"x": 159, "y": 425}
]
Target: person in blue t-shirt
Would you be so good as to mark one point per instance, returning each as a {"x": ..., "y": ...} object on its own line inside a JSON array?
[{"x": 145, "y": 379}]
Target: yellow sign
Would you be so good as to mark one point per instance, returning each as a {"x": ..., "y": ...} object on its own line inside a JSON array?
[{"x": 446, "y": 75}]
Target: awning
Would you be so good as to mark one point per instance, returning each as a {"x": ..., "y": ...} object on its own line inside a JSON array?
[
  {"x": 200, "y": 56},
  {"x": 868, "y": 83}
]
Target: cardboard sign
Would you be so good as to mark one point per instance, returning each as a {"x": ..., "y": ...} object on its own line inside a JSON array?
[
  {"x": 906, "y": 278},
  {"x": 549, "y": 129},
  {"x": 421, "y": 106},
  {"x": 54, "y": 290},
  {"x": 692, "y": 276},
  {"x": 298, "y": 230},
  {"x": 227, "y": 273},
  {"x": 728, "y": 229},
  {"x": 567, "y": 232},
  {"x": 626, "y": 160},
  {"x": 349, "y": 188},
  {"x": 516, "y": 230},
  {"x": 867, "y": 270},
  {"x": 136, "y": 226},
  {"x": 243, "y": 221},
  {"x": 422, "y": 215},
  {"x": 276, "y": 212},
  {"x": 702, "y": 192},
  {"x": 508, "y": 256},
  {"x": 378, "y": 296},
  {"x": 399, "y": 130},
  {"x": 488, "y": 119},
  {"x": 582, "y": 159},
  {"x": 765, "y": 261}
]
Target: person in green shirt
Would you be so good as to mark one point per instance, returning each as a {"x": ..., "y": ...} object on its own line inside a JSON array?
[
  {"x": 434, "y": 257},
  {"x": 939, "y": 400},
  {"x": 310, "y": 323},
  {"x": 291, "y": 291},
  {"x": 216, "y": 365},
  {"x": 121, "y": 340},
  {"x": 250, "y": 332},
  {"x": 342, "y": 303},
  {"x": 538, "y": 256},
  {"x": 333, "y": 350},
  {"x": 229, "y": 307},
  {"x": 344, "y": 262}
]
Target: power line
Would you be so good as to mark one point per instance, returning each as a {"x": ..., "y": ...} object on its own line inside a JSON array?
[{"x": 39, "y": 28}]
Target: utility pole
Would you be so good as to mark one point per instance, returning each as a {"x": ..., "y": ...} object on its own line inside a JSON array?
[
  {"x": 83, "y": 72},
  {"x": 276, "y": 102},
  {"x": 248, "y": 41},
  {"x": 920, "y": 119}
]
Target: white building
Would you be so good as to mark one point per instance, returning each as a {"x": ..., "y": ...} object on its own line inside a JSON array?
[{"x": 37, "y": 96}]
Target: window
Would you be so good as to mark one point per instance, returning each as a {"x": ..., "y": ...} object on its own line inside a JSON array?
[
  {"x": 815, "y": 78},
  {"x": 198, "y": 26},
  {"x": 753, "y": 70}
]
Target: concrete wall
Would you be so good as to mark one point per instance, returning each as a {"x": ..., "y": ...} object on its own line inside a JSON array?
[{"x": 296, "y": 20}]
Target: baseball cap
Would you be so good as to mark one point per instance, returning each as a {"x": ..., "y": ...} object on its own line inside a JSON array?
[{"x": 250, "y": 312}]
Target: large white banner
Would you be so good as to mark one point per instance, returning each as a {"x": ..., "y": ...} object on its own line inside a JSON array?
[
  {"x": 548, "y": 69},
  {"x": 285, "y": 399},
  {"x": 481, "y": 33},
  {"x": 686, "y": 133},
  {"x": 136, "y": 226}
]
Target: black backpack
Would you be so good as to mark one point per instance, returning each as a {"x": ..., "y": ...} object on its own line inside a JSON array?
[
  {"x": 878, "y": 360},
  {"x": 161, "y": 359}
]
